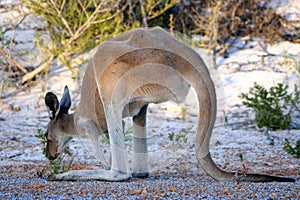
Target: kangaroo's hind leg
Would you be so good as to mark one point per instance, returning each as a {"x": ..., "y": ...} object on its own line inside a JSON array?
[{"x": 140, "y": 160}]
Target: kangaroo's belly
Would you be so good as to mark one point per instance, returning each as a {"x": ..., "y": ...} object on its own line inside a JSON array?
[{"x": 154, "y": 93}]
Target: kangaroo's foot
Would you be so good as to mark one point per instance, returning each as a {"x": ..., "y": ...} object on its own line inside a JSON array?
[
  {"x": 104, "y": 175},
  {"x": 140, "y": 174}
]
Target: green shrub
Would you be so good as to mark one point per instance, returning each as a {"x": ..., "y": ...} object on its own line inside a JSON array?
[
  {"x": 292, "y": 150},
  {"x": 272, "y": 107}
]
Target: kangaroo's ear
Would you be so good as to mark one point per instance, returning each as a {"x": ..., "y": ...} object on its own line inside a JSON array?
[
  {"x": 65, "y": 102},
  {"x": 52, "y": 104}
]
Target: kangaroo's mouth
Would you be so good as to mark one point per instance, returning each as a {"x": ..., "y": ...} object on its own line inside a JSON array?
[
  {"x": 58, "y": 153},
  {"x": 51, "y": 157}
]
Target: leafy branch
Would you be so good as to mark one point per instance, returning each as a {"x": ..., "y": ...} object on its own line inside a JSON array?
[
  {"x": 14, "y": 61},
  {"x": 73, "y": 27}
]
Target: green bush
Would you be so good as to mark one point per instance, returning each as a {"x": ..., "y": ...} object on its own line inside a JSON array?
[
  {"x": 292, "y": 150},
  {"x": 273, "y": 107}
]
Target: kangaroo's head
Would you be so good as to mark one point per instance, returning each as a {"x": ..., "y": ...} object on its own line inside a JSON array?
[{"x": 61, "y": 125}]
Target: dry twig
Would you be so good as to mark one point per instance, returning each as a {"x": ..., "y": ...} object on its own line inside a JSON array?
[
  {"x": 11, "y": 59},
  {"x": 29, "y": 76},
  {"x": 145, "y": 21}
]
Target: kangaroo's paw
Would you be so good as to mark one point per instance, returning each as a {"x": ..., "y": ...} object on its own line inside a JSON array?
[{"x": 105, "y": 175}]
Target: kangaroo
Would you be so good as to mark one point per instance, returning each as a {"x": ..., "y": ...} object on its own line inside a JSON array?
[{"x": 127, "y": 73}]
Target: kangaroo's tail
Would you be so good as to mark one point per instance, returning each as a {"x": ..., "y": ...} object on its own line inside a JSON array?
[{"x": 201, "y": 81}]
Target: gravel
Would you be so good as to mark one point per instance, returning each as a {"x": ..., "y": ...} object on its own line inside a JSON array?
[
  {"x": 24, "y": 182},
  {"x": 28, "y": 185}
]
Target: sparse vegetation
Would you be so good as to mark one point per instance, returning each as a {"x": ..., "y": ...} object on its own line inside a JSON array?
[
  {"x": 273, "y": 107},
  {"x": 221, "y": 22},
  {"x": 181, "y": 138}
]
